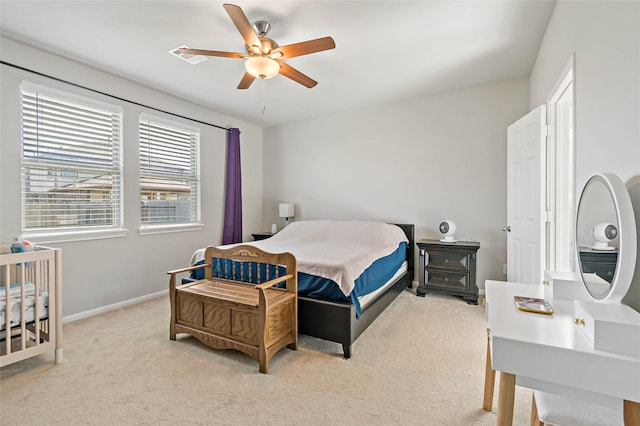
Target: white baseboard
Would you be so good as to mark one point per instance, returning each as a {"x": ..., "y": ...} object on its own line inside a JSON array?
[
  {"x": 113, "y": 307},
  {"x": 119, "y": 305}
]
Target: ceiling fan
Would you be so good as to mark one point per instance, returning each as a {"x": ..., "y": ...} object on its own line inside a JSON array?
[{"x": 264, "y": 57}]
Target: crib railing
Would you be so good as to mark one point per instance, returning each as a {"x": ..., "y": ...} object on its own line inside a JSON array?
[{"x": 30, "y": 304}]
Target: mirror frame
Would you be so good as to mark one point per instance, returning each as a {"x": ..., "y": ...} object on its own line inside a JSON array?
[{"x": 626, "y": 262}]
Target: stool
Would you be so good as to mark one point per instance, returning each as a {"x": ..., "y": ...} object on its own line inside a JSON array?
[{"x": 556, "y": 410}]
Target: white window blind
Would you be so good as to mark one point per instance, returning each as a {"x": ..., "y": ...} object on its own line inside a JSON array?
[
  {"x": 169, "y": 173},
  {"x": 71, "y": 163}
]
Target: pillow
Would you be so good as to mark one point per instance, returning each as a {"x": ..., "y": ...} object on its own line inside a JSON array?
[{"x": 23, "y": 246}]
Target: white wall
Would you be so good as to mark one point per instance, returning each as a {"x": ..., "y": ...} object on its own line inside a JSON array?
[
  {"x": 605, "y": 37},
  {"x": 102, "y": 272},
  {"x": 420, "y": 161}
]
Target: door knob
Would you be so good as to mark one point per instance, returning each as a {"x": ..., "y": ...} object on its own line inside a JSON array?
[{"x": 506, "y": 228}]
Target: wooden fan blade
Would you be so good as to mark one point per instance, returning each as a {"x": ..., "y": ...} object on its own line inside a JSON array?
[
  {"x": 297, "y": 76},
  {"x": 243, "y": 25},
  {"x": 246, "y": 81},
  {"x": 212, "y": 53},
  {"x": 306, "y": 47}
]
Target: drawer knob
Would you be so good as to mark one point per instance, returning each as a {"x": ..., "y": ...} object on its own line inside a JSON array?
[{"x": 578, "y": 321}]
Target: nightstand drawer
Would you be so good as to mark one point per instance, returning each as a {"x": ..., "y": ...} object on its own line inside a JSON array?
[
  {"x": 606, "y": 271},
  {"x": 455, "y": 261},
  {"x": 447, "y": 279}
]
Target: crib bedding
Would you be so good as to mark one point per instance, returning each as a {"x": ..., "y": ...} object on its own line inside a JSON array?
[
  {"x": 340, "y": 261},
  {"x": 15, "y": 305}
]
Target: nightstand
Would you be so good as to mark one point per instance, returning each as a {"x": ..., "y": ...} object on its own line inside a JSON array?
[
  {"x": 262, "y": 235},
  {"x": 600, "y": 262},
  {"x": 448, "y": 268}
]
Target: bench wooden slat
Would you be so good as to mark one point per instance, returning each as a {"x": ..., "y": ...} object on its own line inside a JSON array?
[{"x": 232, "y": 291}]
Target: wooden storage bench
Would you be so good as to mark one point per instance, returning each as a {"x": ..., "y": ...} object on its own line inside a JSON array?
[{"x": 237, "y": 306}]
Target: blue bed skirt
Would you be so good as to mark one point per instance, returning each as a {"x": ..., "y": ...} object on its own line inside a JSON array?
[{"x": 374, "y": 277}]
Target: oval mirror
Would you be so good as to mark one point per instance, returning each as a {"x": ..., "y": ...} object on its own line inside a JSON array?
[{"x": 606, "y": 238}]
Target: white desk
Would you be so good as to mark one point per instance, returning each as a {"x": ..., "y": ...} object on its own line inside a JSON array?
[{"x": 548, "y": 353}]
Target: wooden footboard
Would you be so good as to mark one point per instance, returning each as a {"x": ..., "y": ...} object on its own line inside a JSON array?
[{"x": 337, "y": 322}]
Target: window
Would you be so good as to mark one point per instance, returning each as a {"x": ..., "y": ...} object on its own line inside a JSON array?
[
  {"x": 169, "y": 173},
  {"x": 71, "y": 163}
]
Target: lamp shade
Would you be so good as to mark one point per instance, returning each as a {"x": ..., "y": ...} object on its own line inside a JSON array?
[
  {"x": 287, "y": 210},
  {"x": 262, "y": 67}
]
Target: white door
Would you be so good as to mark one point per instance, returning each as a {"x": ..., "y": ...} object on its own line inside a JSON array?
[
  {"x": 560, "y": 175},
  {"x": 525, "y": 197}
]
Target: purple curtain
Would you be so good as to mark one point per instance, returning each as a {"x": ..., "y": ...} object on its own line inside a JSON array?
[{"x": 232, "y": 231}]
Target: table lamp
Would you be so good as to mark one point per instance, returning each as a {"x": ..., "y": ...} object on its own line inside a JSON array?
[{"x": 287, "y": 210}]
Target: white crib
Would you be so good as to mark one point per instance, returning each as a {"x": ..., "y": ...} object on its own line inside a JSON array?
[{"x": 30, "y": 304}]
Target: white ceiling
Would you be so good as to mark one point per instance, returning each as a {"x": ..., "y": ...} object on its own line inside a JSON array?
[{"x": 385, "y": 50}]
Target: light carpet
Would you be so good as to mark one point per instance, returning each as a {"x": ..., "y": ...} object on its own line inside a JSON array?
[{"x": 420, "y": 363}]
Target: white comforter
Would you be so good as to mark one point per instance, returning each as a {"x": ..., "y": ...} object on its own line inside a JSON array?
[{"x": 336, "y": 250}]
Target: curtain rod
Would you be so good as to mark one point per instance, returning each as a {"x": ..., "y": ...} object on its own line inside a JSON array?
[{"x": 111, "y": 96}]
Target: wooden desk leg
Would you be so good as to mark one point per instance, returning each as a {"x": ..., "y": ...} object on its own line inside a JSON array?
[
  {"x": 489, "y": 379},
  {"x": 506, "y": 396},
  {"x": 631, "y": 413}
]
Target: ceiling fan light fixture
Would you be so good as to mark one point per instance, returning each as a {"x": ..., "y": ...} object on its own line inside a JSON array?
[
  {"x": 264, "y": 57},
  {"x": 262, "y": 67}
]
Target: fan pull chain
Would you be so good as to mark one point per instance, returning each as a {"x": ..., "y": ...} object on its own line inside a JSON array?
[{"x": 264, "y": 95}]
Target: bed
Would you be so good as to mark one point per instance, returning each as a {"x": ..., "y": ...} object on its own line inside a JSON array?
[
  {"x": 30, "y": 304},
  {"x": 348, "y": 273}
]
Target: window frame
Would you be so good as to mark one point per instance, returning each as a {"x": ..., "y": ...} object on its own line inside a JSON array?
[
  {"x": 79, "y": 232},
  {"x": 166, "y": 227}
]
